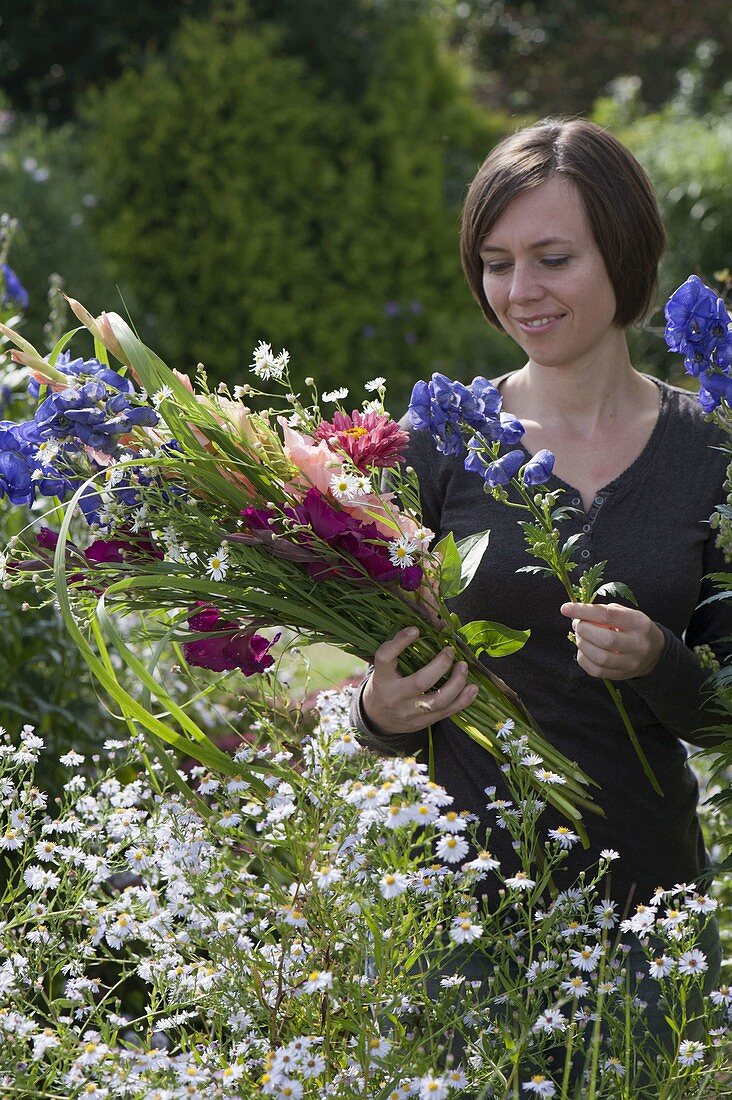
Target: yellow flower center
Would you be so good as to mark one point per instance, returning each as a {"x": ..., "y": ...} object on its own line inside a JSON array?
[{"x": 356, "y": 432}]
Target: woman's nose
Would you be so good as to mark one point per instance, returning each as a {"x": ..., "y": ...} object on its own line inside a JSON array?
[{"x": 525, "y": 286}]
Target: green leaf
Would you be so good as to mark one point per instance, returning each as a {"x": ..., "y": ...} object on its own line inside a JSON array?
[
  {"x": 617, "y": 588},
  {"x": 471, "y": 551},
  {"x": 493, "y": 638},
  {"x": 451, "y": 568}
]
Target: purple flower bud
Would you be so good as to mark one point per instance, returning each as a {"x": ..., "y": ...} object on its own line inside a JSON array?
[
  {"x": 504, "y": 468},
  {"x": 539, "y": 468}
]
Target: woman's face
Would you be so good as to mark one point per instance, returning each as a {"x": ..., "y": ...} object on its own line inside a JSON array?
[{"x": 545, "y": 278}]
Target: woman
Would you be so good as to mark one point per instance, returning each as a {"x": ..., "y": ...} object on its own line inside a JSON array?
[{"x": 561, "y": 239}]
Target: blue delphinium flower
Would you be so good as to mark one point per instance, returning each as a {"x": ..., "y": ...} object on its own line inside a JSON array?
[
  {"x": 699, "y": 328},
  {"x": 87, "y": 368},
  {"x": 538, "y": 468},
  {"x": 504, "y": 468},
  {"x": 443, "y": 407},
  {"x": 13, "y": 291}
]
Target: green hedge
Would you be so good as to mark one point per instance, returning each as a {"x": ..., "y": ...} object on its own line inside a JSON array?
[{"x": 240, "y": 200}]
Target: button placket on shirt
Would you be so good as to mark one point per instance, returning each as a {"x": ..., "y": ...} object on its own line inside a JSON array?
[{"x": 590, "y": 517}]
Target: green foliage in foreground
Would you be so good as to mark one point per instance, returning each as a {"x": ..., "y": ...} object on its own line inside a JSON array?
[{"x": 296, "y": 946}]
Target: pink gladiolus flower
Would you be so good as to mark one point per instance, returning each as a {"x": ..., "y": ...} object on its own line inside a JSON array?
[
  {"x": 121, "y": 550},
  {"x": 369, "y": 439},
  {"x": 315, "y": 461},
  {"x": 229, "y": 647}
]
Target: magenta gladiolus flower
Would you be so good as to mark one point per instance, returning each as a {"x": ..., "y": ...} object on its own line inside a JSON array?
[
  {"x": 121, "y": 550},
  {"x": 229, "y": 647},
  {"x": 369, "y": 439}
]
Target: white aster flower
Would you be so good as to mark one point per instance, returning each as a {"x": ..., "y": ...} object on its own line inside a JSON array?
[
  {"x": 162, "y": 394},
  {"x": 721, "y": 996},
  {"x": 318, "y": 980},
  {"x": 552, "y": 778},
  {"x": 693, "y": 962},
  {"x": 614, "y": 1065},
  {"x": 661, "y": 966},
  {"x": 451, "y": 822},
  {"x": 336, "y": 395},
  {"x": 609, "y": 854},
  {"x": 520, "y": 881},
  {"x": 374, "y": 385},
  {"x": 586, "y": 958},
  {"x": 326, "y": 876},
  {"x": 484, "y": 861},
  {"x": 551, "y": 1020},
  {"x": 345, "y": 486},
  {"x": 71, "y": 758},
  {"x": 564, "y": 836},
  {"x": 690, "y": 1052},
  {"x": 605, "y": 915},
  {"x": 392, "y": 884},
  {"x": 539, "y": 1085},
  {"x": 432, "y": 1088},
  {"x": 218, "y": 564},
  {"x": 674, "y": 918},
  {"x": 576, "y": 986},
  {"x": 268, "y": 365},
  {"x": 402, "y": 551},
  {"x": 464, "y": 930},
  {"x": 701, "y": 903},
  {"x": 452, "y": 848}
]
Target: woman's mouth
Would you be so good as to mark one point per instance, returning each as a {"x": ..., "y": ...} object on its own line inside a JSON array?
[{"x": 539, "y": 324}]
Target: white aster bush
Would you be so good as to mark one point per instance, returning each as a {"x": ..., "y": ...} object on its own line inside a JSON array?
[{"x": 327, "y": 940}]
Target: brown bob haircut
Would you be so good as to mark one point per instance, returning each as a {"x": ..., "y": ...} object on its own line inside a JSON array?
[{"x": 618, "y": 198}]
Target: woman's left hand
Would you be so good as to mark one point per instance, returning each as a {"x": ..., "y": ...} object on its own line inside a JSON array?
[{"x": 614, "y": 642}]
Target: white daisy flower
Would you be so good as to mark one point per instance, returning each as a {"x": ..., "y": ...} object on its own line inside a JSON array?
[
  {"x": 520, "y": 881},
  {"x": 218, "y": 564},
  {"x": 484, "y": 861},
  {"x": 162, "y": 394},
  {"x": 701, "y": 903},
  {"x": 564, "y": 837},
  {"x": 614, "y": 1065},
  {"x": 336, "y": 395},
  {"x": 721, "y": 996},
  {"x": 550, "y": 1020},
  {"x": 345, "y": 486},
  {"x": 539, "y": 1085},
  {"x": 547, "y": 776},
  {"x": 693, "y": 962},
  {"x": 674, "y": 918},
  {"x": 576, "y": 986},
  {"x": 464, "y": 930},
  {"x": 268, "y": 365},
  {"x": 609, "y": 854},
  {"x": 402, "y": 551},
  {"x": 392, "y": 884},
  {"x": 326, "y": 876},
  {"x": 451, "y": 822},
  {"x": 690, "y": 1052},
  {"x": 317, "y": 980},
  {"x": 661, "y": 966},
  {"x": 374, "y": 385},
  {"x": 586, "y": 958},
  {"x": 452, "y": 848},
  {"x": 432, "y": 1088}
]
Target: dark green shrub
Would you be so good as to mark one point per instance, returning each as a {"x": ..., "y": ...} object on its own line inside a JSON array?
[{"x": 239, "y": 202}]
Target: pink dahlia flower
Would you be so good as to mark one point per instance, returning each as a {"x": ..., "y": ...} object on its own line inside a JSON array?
[{"x": 369, "y": 439}]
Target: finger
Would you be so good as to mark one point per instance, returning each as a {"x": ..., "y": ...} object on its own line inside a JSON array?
[
  {"x": 436, "y": 707},
  {"x": 446, "y": 695},
  {"x": 388, "y": 653},
  {"x": 607, "y": 638},
  {"x": 425, "y": 678},
  {"x": 602, "y": 658},
  {"x": 592, "y": 668},
  {"x": 612, "y": 615}
]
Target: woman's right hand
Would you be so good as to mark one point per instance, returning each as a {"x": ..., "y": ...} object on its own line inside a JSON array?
[{"x": 392, "y": 703}]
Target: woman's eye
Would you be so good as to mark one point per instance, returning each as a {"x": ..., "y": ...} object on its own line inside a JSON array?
[
  {"x": 555, "y": 261},
  {"x": 495, "y": 268}
]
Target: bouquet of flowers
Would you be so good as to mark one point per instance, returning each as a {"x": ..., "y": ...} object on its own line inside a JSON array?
[{"x": 209, "y": 521}]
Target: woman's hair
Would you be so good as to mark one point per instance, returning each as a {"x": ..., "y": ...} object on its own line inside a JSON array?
[{"x": 617, "y": 195}]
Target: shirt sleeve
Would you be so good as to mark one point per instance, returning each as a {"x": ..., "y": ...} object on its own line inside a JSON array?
[
  {"x": 678, "y": 690},
  {"x": 387, "y": 744}
]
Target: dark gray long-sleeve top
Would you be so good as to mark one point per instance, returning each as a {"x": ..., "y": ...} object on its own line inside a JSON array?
[{"x": 651, "y": 526}]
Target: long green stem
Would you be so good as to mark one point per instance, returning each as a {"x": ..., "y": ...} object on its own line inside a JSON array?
[{"x": 561, "y": 572}]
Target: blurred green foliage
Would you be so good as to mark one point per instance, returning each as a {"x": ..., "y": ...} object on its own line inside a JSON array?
[
  {"x": 42, "y": 183},
  {"x": 242, "y": 200},
  {"x": 557, "y": 56}
]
